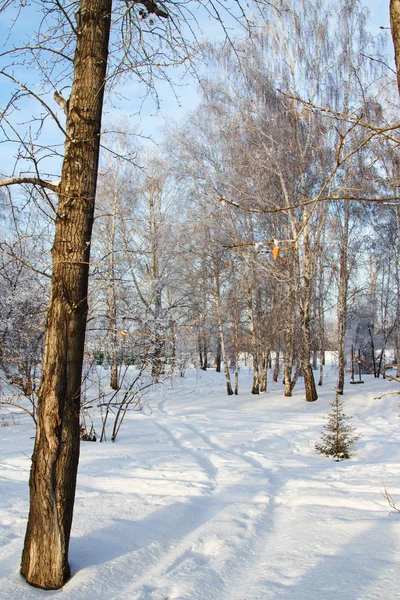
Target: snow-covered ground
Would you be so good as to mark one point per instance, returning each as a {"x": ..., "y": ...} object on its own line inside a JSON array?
[{"x": 217, "y": 498}]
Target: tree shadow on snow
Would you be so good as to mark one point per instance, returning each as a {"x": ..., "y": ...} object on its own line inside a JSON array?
[{"x": 353, "y": 573}]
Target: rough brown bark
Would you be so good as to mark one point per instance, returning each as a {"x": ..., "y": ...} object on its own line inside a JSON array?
[
  {"x": 395, "y": 27},
  {"x": 56, "y": 452}
]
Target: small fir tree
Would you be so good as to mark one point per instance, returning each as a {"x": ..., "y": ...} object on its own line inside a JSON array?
[{"x": 339, "y": 437}]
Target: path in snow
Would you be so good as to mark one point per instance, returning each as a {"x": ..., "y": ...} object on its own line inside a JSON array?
[{"x": 217, "y": 498}]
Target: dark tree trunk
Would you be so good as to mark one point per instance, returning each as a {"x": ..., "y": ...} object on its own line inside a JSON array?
[
  {"x": 218, "y": 359},
  {"x": 276, "y": 368},
  {"x": 56, "y": 452},
  {"x": 205, "y": 353},
  {"x": 373, "y": 359},
  {"x": 314, "y": 360},
  {"x": 309, "y": 384},
  {"x": 200, "y": 352}
]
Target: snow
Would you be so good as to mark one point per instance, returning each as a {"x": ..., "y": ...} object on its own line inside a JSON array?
[{"x": 222, "y": 498}]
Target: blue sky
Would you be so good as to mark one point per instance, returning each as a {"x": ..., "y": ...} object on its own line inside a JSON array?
[{"x": 151, "y": 121}]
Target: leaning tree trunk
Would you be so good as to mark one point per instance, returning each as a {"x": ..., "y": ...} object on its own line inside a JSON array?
[{"x": 56, "y": 452}]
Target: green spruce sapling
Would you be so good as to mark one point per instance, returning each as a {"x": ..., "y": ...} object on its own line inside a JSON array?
[{"x": 339, "y": 437}]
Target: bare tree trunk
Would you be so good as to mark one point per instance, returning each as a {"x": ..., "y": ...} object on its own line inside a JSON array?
[
  {"x": 373, "y": 358},
  {"x": 288, "y": 345},
  {"x": 205, "y": 355},
  {"x": 397, "y": 278},
  {"x": 173, "y": 345},
  {"x": 235, "y": 321},
  {"x": 112, "y": 296},
  {"x": 221, "y": 332},
  {"x": 342, "y": 299},
  {"x": 200, "y": 348},
  {"x": 321, "y": 327},
  {"x": 263, "y": 374},
  {"x": 321, "y": 366},
  {"x": 264, "y": 370},
  {"x": 276, "y": 367},
  {"x": 112, "y": 324},
  {"x": 56, "y": 452},
  {"x": 218, "y": 358},
  {"x": 305, "y": 312},
  {"x": 395, "y": 27},
  {"x": 158, "y": 343},
  {"x": 314, "y": 360},
  {"x": 256, "y": 370}
]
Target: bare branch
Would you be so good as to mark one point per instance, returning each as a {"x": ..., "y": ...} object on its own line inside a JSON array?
[
  {"x": 53, "y": 187},
  {"x": 38, "y": 98},
  {"x": 388, "y": 497}
]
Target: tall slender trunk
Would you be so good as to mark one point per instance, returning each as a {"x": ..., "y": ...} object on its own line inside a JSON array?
[
  {"x": 395, "y": 27},
  {"x": 173, "y": 345},
  {"x": 264, "y": 370},
  {"x": 276, "y": 366},
  {"x": 235, "y": 315},
  {"x": 200, "y": 348},
  {"x": 113, "y": 335},
  {"x": 217, "y": 295},
  {"x": 56, "y": 452},
  {"x": 256, "y": 369},
  {"x": 289, "y": 343},
  {"x": 321, "y": 326},
  {"x": 205, "y": 355},
  {"x": 342, "y": 298},
  {"x": 305, "y": 316},
  {"x": 315, "y": 360},
  {"x": 372, "y": 344},
  {"x": 158, "y": 342},
  {"x": 321, "y": 366},
  {"x": 112, "y": 295},
  {"x": 218, "y": 358},
  {"x": 397, "y": 279}
]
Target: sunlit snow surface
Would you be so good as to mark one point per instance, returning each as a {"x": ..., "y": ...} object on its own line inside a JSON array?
[{"x": 223, "y": 498}]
